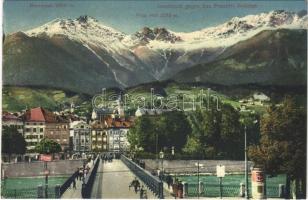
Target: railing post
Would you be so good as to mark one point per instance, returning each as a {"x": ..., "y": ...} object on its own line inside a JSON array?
[
  {"x": 201, "y": 187},
  {"x": 161, "y": 190},
  {"x": 57, "y": 191},
  {"x": 281, "y": 191},
  {"x": 185, "y": 189},
  {"x": 40, "y": 192},
  {"x": 242, "y": 190}
]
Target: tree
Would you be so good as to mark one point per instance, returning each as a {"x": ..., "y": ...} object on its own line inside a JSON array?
[
  {"x": 12, "y": 141},
  {"x": 282, "y": 147},
  {"x": 47, "y": 146},
  {"x": 231, "y": 137},
  {"x": 216, "y": 133},
  {"x": 168, "y": 129}
]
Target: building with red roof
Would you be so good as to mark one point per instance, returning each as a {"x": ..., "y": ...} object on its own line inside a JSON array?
[
  {"x": 110, "y": 133},
  {"x": 41, "y": 123}
]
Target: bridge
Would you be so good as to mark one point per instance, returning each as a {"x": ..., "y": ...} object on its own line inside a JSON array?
[{"x": 111, "y": 180}]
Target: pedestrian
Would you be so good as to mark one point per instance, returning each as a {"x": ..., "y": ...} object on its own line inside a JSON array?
[
  {"x": 169, "y": 180},
  {"x": 141, "y": 192},
  {"x": 180, "y": 190},
  {"x": 80, "y": 174},
  {"x": 137, "y": 186},
  {"x": 74, "y": 184}
]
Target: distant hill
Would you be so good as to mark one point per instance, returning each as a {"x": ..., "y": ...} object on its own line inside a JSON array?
[
  {"x": 272, "y": 57},
  {"x": 19, "y": 98}
]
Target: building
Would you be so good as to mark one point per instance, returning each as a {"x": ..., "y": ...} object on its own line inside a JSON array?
[
  {"x": 99, "y": 136},
  {"x": 40, "y": 123},
  {"x": 145, "y": 111},
  {"x": 117, "y": 129},
  {"x": 80, "y": 131},
  {"x": 11, "y": 120},
  {"x": 58, "y": 130},
  {"x": 259, "y": 96}
]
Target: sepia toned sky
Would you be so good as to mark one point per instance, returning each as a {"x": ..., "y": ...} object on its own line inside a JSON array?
[{"x": 130, "y": 16}]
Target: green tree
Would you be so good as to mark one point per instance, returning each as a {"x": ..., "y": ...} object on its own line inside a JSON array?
[
  {"x": 174, "y": 129},
  {"x": 282, "y": 147},
  {"x": 231, "y": 137},
  {"x": 216, "y": 133},
  {"x": 170, "y": 129},
  {"x": 12, "y": 141},
  {"x": 143, "y": 134},
  {"x": 47, "y": 146}
]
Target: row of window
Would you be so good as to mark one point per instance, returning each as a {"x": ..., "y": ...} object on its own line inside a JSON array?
[
  {"x": 15, "y": 126},
  {"x": 99, "y": 133},
  {"x": 34, "y": 136},
  {"x": 34, "y": 123},
  {"x": 82, "y": 141},
  {"x": 34, "y": 130},
  {"x": 31, "y": 143},
  {"x": 98, "y": 147}
]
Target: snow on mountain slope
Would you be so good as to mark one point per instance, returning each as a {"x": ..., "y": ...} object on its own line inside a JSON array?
[
  {"x": 159, "y": 52},
  {"x": 233, "y": 31},
  {"x": 83, "y": 29}
]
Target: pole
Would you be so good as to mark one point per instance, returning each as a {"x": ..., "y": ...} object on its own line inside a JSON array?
[
  {"x": 220, "y": 186},
  {"x": 246, "y": 167},
  {"x": 198, "y": 181},
  {"x": 156, "y": 146},
  {"x": 46, "y": 181}
]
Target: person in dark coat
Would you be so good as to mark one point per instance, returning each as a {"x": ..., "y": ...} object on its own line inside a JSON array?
[
  {"x": 74, "y": 184},
  {"x": 169, "y": 180}
]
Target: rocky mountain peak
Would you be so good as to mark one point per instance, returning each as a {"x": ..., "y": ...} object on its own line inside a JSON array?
[{"x": 147, "y": 34}]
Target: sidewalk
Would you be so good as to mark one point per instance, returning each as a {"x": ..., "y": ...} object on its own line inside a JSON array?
[
  {"x": 116, "y": 178},
  {"x": 71, "y": 193}
]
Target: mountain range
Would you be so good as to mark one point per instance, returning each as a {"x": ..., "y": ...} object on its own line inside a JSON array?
[{"x": 84, "y": 55}]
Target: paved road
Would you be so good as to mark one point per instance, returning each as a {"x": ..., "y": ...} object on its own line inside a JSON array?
[
  {"x": 72, "y": 193},
  {"x": 112, "y": 181}
]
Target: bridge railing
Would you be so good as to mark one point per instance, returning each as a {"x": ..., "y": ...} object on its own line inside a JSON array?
[
  {"x": 68, "y": 183},
  {"x": 152, "y": 182},
  {"x": 89, "y": 180}
]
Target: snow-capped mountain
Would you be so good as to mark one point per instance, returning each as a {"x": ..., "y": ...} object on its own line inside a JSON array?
[
  {"x": 149, "y": 54},
  {"x": 234, "y": 30}
]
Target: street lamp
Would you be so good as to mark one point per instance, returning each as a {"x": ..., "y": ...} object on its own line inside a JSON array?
[
  {"x": 46, "y": 176},
  {"x": 198, "y": 165},
  {"x": 161, "y": 156},
  {"x": 172, "y": 151},
  {"x": 246, "y": 161},
  {"x": 156, "y": 147}
]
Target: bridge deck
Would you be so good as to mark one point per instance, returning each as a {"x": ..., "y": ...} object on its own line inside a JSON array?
[{"x": 115, "y": 178}]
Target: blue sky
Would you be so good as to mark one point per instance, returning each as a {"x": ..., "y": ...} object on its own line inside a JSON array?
[{"x": 129, "y": 16}]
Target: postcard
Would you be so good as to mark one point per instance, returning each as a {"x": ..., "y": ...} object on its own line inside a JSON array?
[{"x": 138, "y": 99}]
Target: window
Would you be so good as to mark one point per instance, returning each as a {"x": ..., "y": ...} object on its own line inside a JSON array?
[
  {"x": 34, "y": 130},
  {"x": 34, "y": 123},
  {"x": 41, "y": 123},
  {"x": 27, "y": 129},
  {"x": 41, "y": 136},
  {"x": 41, "y": 130}
]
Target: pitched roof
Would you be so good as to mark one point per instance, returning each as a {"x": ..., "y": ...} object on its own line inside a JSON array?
[
  {"x": 109, "y": 122},
  {"x": 9, "y": 117},
  {"x": 41, "y": 115}
]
